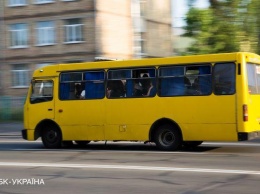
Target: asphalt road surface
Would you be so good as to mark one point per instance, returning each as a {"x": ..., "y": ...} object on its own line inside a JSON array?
[{"x": 126, "y": 167}]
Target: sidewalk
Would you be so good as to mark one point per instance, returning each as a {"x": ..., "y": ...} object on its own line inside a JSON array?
[{"x": 10, "y": 128}]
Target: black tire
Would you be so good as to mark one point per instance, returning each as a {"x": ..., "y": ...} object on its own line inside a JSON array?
[
  {"x": 51, "y": 137},
  {"x": 82, "y": 143},
  {"x": 191, "y": 144},
  {"x": 168, "y": 138}
]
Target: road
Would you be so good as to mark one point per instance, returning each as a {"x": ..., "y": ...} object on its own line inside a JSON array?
[{"x": 27, "y": 167}]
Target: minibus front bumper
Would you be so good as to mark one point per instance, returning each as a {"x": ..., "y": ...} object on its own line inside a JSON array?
[{"x": 24, "y": 134}]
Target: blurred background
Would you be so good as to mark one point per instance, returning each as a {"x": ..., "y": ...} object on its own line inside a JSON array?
[{"x": 36, "y": 33}]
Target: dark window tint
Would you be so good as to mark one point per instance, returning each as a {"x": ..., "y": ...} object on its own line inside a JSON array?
[
  {"x": 185, "y": 80},
  {"x": 82, "y": 85},
  {"x": 224, "y": 78},
  {"x": 120, "y": 74},
  {"x": 94, "y": 85},
  {"x": 138, "y": 82},
  {"x": 75, "y": 76}
]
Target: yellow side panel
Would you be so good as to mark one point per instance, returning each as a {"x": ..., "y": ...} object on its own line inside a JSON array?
[
  {"x": 81, "y": 119},
  {"x": 199, "y": 117},
  {"x": 127, "y": 132},
  {"x": 82, "y": 132},
  {"x": 203, "y": 117},
  {"x": 253, "y": 123},
  {"x": 130, "y": 119},
  {"x": 209, "y": 132}
]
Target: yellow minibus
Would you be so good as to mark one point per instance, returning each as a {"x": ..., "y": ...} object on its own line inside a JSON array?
[{"x": 173, "y": 102}]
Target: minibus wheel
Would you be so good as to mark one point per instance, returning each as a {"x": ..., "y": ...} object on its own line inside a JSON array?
[
  {"x": 51, "y": 137},
  {"x": 168, "y": 138}
]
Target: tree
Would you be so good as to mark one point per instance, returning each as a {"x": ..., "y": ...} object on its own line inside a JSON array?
[
  {"x": 219, "y": 28},
  {"x": 251, "y": 25},
  {"x": 199, "y": 24}
]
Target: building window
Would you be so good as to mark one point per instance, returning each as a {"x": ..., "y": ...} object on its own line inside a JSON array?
[
  {"x": 43, "y": 1},
  {"x": 73, "y": 31},
  {"x": 139, "y": 47},
  {"x": 45, "y": 32},
  {"x": 13, "y": 3},
  {"x": 19, "y": 35},
  {"x": 20, "y": 76}
]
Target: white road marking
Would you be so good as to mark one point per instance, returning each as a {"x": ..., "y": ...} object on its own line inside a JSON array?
[
  {"x": 18, "y": 141},
  {"x": 232, "y": 143},
  {"x": 113, "y": 151},
  {"x": 127, "y": 167}
]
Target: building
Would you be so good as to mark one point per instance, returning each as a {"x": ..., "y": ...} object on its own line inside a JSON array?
[
  {"x": 1, "y": 43},
  {"x": 46, "y": 32},
  {"x": 152, "y": 28}
]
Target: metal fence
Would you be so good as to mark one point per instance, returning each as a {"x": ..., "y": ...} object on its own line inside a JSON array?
[{"x": 11, "y": 108}]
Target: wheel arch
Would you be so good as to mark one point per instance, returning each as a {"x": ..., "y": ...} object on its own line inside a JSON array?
[
  {"x": 40, "y": 126},
  {"x": 160, "y": 122}
]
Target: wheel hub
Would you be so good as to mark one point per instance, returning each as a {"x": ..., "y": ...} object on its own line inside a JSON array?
[{"x": 167, "y": 138}]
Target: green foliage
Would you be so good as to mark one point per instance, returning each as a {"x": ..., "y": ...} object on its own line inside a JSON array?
[
  {"x": 226, "y": 26},
  {"x": 11, "y": 108},
  {"x": 12, "y": 115}
]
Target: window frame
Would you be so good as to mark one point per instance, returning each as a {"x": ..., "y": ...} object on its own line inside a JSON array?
[
  {"x": 23, "y": 77},
  {"x": 13, "y": 3},
  {"x": 45, "y": 35},
  {"x": 131, "y": 79},
  {"x": 82, "y": 81},
  {"x": 40, "y": 2},
  {"x": 71, "y": 32},
  {"x": 256, "y": 80},
  {"x": 184, "y": 90},
  {"x": 216, "y": 84},
  {"x": 19, "y": 35},
  {"x": 42, "y": 98}
]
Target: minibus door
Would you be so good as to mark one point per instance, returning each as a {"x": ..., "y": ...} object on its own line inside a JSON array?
[{"x": 41, "y": 101}]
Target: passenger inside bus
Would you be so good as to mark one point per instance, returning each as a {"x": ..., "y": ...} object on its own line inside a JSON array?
[
  {"x": 150, "y": 89},
  {"x": 145, "y": 82},
  {"x": 138, "y": 89},
  {"x": 144, "y": 86},
  {"x": 82, "y": 95},
  {"x": 78, "y": 90},
  {"x": 195, "y": 87},
  {"x": 115, "y": 89}
]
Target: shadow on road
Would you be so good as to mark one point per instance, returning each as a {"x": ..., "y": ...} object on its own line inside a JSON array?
[{"x": 11, "y": 144}]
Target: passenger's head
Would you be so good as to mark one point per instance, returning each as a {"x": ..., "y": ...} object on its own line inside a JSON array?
[{"x": 77, "y": 87}]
